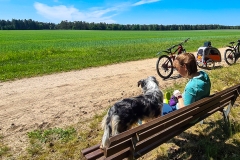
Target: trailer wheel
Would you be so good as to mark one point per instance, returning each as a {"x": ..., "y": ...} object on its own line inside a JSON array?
[{"x": 210, "y": 64}]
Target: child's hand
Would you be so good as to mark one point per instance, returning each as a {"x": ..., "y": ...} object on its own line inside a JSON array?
[{"x": 177, "y": 93}]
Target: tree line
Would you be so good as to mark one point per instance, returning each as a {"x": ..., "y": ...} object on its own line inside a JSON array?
[{"x": 30, "y": 24}]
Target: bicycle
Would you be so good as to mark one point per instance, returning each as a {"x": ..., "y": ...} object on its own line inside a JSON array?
[
  {"x": 232, "y": 53},
  {"x": 164, "y": 64}
]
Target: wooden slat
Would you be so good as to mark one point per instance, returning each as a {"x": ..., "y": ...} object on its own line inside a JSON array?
[
  {"x": 95, "y": 154},
  {"x": 120, "y": 155},
  {"x": 227, "y": 97},
  {"x": 90, "y": 149},
  {"x": 118, "y": 147},
  {"x": 235, "y": 87}
]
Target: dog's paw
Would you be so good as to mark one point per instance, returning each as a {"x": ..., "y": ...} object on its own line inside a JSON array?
[{"x": 101, "y": 146}]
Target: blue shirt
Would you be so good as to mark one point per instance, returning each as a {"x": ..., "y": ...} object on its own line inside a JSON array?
[{"x": 197, "y": 88}]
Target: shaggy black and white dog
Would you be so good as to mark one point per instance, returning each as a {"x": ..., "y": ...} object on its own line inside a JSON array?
[{"x": 125, "y": 113}]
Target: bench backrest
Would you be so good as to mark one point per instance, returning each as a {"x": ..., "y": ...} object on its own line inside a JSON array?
[{"x": 138, "y": 141}]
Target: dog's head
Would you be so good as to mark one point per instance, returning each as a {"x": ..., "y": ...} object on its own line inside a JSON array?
[{"x": 150, "y": 83}]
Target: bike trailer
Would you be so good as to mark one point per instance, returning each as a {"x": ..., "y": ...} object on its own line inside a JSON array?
[{"x": 205, "y": 53}]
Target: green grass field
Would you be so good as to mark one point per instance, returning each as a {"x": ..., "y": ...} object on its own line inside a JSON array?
[{"x": 31, "y": 53}]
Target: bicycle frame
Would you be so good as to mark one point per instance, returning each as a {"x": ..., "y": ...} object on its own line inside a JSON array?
[
  {"x": 236, "y": 47},
  {"x": 166, "y": 65},
  {"x": 232, "y": 53},
  {"x": 179, "y": 50}
]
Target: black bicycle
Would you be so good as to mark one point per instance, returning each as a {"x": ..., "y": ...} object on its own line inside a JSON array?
[
  {"x": 164, "y": 64},
  {"x": 232, "y": 53}
]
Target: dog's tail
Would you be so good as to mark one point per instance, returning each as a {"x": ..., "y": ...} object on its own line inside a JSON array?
[
  {"x": 106, "y": 131},
  {"x": 104, "y": 121},
  {"x": 109, "y": 125}
]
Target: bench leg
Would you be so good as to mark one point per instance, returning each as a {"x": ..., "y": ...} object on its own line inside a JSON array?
[{"x": 226, "y": 112}]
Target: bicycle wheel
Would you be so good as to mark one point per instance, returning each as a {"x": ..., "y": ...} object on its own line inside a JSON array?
[
  {"x": 229, "y": 56},
  {"x": 164, "y": 66},
  {"x": 210, "y": 64}
]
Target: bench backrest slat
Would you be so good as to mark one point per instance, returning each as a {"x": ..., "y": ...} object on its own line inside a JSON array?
[
  {"x": 227, "y": 97},
  {"x": 120, "y": 146}
]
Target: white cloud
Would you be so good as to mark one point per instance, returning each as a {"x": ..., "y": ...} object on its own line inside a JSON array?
[
  {"x": 144, "y": 2},
  {"x": 61, "y": 12}
]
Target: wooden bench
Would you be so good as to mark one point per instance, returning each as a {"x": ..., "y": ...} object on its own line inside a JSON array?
[{"x": 138, "y": 141}]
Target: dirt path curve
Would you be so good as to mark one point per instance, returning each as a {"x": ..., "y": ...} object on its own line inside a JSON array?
[{"x": 62, "y": 99}]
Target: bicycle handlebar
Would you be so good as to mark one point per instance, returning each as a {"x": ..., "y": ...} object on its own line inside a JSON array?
[
  {"x": 169, "y": 49},
  {"x": 178, "y": 44},
  {"x": 232, "y": 44}
]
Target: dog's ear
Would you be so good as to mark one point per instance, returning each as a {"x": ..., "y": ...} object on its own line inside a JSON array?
[
  {"x": 155, "y": 80},
  {"x": 141, "y": 82}
]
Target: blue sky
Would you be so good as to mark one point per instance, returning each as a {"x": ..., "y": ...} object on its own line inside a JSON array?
[{"x": 164, "y": 12}]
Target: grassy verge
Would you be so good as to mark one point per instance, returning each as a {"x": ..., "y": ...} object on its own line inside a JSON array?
[
  {"x": 35, "y": 53},
  {"x": 212, "y": 140}
]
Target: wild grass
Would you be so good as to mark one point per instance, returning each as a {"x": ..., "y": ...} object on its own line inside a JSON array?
[
  {"x": 211, "y": 140},
  {"x": 35, "y": 53}
]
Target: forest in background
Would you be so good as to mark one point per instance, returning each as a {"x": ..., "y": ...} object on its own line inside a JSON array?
[{"x": 17, "y": 24}]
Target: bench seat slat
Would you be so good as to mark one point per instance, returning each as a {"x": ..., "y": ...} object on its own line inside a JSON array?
[
  {"x": 90, "y": 149},
  {"x": 120, "y": 154},
  {"x": 98, "y": 153}
]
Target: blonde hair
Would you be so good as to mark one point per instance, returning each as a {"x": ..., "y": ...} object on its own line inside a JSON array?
[{"x": 189, "y": 60}]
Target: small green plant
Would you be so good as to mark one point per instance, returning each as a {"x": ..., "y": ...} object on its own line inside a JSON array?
[
  {"x": 4, "y": 149},
  {"x": 52, "y": 134},
  {"x": 43, "y": 141}
]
